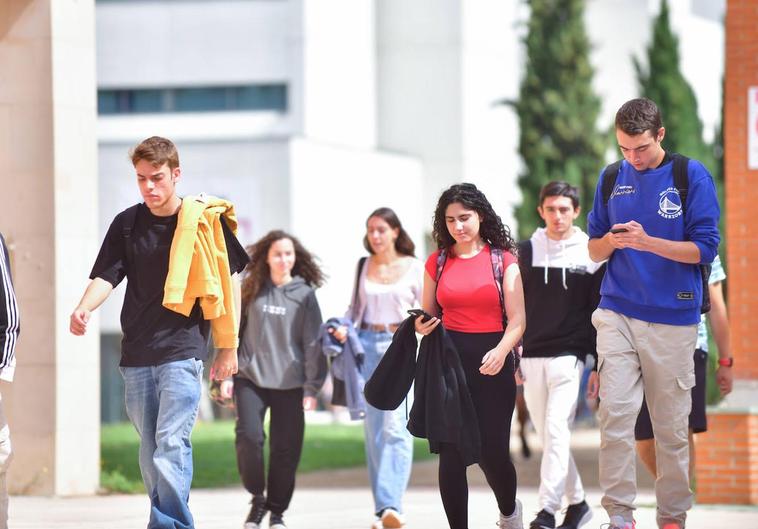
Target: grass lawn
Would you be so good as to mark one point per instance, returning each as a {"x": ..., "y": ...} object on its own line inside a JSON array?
[{"x": 326, "y": 446}]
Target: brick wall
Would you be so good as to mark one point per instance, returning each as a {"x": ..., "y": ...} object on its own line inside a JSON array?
[
  {"x": 727, "y": 456},
  {"x": 741, "y": 185},
  {"x": 727, "y": 459}
]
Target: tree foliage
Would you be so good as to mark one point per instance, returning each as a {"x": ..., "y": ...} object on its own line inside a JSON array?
[
  {"x": 557, "y": 108},
  {"x": 661, "y": 80}
]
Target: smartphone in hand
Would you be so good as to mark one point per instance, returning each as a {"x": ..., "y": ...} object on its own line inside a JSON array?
[
  {"x": 619, "y": 230},
  {"x": 420, "y": 312}
]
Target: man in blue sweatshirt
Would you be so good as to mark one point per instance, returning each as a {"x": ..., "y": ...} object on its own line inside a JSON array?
[{"x": 649, "y": 310}]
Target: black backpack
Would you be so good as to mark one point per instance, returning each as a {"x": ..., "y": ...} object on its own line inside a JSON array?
[{"x": 682, "y": 184}]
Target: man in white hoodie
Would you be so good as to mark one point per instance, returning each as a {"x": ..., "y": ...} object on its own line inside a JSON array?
[{"x": 561, "y": 289}]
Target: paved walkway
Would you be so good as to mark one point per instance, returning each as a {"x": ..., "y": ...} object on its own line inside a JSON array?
[
  {"x": 340, "y": 499},
  {"x": 333, "y": 508}
]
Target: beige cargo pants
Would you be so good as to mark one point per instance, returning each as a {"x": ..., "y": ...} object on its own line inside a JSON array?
[{"x": 636, "y": 356}]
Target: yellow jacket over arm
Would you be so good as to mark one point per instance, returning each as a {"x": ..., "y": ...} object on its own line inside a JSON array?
[{"x": 198, "y": 267}]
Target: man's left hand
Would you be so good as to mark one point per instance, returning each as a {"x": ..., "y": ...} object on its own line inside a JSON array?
[
  {"x": 634, "y": 237},
  {"x": 724, "y": 380},
  {"x": 225, "y": 364}
]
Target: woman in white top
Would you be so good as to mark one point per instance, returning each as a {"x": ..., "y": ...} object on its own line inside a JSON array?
[{"x": 390, "y": 282}]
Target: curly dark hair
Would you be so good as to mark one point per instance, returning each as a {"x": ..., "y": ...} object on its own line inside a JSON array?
[
  {"x": 257, "y": 270},
  {"x": 403, "y": 244},
  {"x": 491, "y": 229}
]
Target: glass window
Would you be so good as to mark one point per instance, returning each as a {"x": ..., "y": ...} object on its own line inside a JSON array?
[
  {"x": 146, "y": 101},
  {"x": 262, "y": 97},
  {"x": 107, "y": 102},
  {"x": 200, "y": 99},
  {"x": 196, "y": 99}
]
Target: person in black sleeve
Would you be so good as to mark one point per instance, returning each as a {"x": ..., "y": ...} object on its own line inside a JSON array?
[
  {"x": 162, "y": 351},
  {"x": 561, "y": 289},
  {"x": 9, "y": 331}
]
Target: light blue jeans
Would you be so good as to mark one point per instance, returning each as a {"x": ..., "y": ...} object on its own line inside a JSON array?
[
  {"x": 162, "y": 403},
  {"x": 389, "y": 445}
]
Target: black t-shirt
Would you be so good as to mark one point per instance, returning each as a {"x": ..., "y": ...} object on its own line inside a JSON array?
[{"x": 153, "y": 334}]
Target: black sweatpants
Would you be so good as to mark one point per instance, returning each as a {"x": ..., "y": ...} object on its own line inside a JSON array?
[
  {"x": 494, "y": 399},
  {"x": 286, "y": 429}
]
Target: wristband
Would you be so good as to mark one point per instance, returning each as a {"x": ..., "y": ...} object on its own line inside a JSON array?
[{"x": 726, "y": 362}]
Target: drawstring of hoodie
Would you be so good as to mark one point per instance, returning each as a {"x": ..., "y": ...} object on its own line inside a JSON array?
[
  {"x": 563, "y": 266},
  {"x": 547, "y": 261}
]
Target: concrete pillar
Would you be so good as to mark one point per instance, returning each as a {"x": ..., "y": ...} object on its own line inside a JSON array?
[
  {"x": 48, "y": 213},
  {"x": 727, "y": 456}
]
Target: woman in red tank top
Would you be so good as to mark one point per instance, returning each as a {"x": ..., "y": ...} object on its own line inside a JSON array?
[{"x": 466, "y": 298}]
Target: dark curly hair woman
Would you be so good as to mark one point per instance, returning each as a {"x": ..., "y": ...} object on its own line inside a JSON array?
[
  {"x": 475, "y": 243},
  {"x": 280, "y": 367}
]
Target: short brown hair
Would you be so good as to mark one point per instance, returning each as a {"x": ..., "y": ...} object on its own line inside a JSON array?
[
  {"x": 639, "y": 115},
  {"x": 157, "y": 151},
  {"x": 558, "y": 188}
]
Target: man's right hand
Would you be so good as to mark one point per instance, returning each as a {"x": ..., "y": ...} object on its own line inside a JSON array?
[
  {"x": 593, "y": 386},
  {"x": 79, "y": 319}
]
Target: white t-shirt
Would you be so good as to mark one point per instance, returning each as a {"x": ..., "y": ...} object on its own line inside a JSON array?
[{"x": 389, "y": 303}]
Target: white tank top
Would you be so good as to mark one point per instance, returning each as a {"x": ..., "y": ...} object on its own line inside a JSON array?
[{"x": 388, "y": 303}]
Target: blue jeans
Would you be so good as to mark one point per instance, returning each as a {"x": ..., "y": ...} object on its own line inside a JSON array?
[
  {"x": 389, "y": 445},
  {"x": 162, "y": 403}
]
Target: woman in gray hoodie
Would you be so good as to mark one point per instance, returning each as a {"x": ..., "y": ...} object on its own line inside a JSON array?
[{"x": 280, "y": 367}]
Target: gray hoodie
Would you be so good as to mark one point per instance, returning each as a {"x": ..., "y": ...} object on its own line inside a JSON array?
[{"x": 279, "y": 347}]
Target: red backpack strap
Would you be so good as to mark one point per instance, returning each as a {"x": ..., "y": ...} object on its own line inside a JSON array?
[
  {"x": 441, "y": 260},
  {"x": 496, "y": 257},
  {"x": 498, "y": 271}
]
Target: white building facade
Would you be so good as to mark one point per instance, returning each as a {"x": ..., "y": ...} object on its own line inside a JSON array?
[{"x": 309, "y": 114}]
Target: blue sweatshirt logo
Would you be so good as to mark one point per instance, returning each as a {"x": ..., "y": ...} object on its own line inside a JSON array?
[{"x": 670, "y": 204}]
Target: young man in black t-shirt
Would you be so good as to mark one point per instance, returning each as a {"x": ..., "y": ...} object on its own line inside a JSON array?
[{"x": 162, "y": 351}]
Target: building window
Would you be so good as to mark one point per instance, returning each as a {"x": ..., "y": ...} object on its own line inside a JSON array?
[{"x": 196, "y": 99}]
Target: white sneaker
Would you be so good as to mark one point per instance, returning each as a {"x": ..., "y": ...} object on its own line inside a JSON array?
[
  {"x": 514, "y": 521},
  {"x": 391, "y": 519}
]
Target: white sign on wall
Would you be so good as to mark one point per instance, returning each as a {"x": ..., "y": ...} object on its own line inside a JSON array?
[{"x": 752, "y": 127}]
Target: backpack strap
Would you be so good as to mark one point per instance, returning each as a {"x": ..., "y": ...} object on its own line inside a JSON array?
[
  {"x": 496, "y": 258},
  {"x": 682, "y": 184},
  {"x": 128, "y": 221},
  {"x": 356, "y": 286},
  {"x": 441, "y": 260},
  {"x": 609, "y": 180},
  {"x": 525, "y": 259},
  {"x": 681, "y": 178}
]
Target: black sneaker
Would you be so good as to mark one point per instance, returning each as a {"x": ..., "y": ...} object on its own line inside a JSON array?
[
  {"x": 576, "y": 516},
  {"x": 276, "y": 521},
  {"x": 544, "y": 520},
  {"x": 257, "y": 513}
]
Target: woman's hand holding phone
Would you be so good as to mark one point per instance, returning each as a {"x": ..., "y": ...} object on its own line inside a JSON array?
[{"x": 425, "y": 322}]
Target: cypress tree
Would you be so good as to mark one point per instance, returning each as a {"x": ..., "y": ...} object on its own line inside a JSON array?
[
  {"x": 662, "y": 81},
  {"x": 557, "y": 109}
]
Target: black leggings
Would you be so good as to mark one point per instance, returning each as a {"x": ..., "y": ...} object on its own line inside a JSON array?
[
  {"x": 494, "y": 399},
  {"x": 286, "y": 429}
]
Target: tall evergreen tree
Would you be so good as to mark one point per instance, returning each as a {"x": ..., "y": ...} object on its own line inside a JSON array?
[
  {"x": 557, "y": 108},
  {"x": 662, "y": 81}
]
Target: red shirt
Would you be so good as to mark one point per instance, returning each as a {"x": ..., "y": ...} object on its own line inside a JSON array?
[{"x": 467, "y": 292}]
